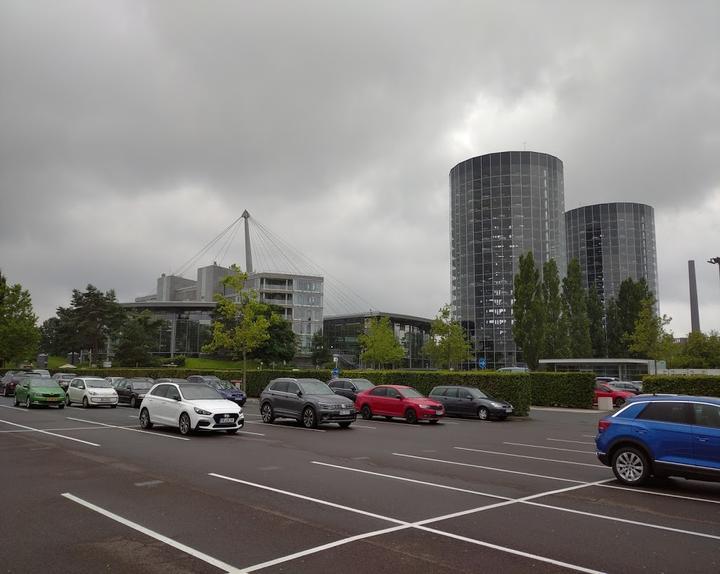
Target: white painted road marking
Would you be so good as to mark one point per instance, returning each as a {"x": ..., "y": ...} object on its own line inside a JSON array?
[
  {"x": 550, "y": 447},
  {"x": 14, "y": 408},
  {"x": 487, "y": 467},
  {"x": 572, "y": 441},
  {"x": 51, "y": 433},
  {"x": 128, "y": 429},
  {"x": 169, "y": 541},
  {"x": 57, "y": 429},
  {"x": 656, "y": 493},
  {"x": 282, "y": 426},
  {"x": 529, "y": 457}
]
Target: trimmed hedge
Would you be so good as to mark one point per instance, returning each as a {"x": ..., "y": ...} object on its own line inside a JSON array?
[
  {"x": 699, "y": 385},
  {"x": 574, "y": 390}
]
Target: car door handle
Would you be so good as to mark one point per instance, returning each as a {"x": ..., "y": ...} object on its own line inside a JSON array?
[
  {"x": 702, "y": 439},
  {"x": 641, "y": 431}
]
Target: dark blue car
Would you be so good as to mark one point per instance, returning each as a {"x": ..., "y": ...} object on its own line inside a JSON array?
[
  {"x": 662, "y": 435},
  {"x": 226, "y": 389}
]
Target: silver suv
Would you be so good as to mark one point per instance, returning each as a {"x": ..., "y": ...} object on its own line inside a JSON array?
[{"x": 309, "y": 401}]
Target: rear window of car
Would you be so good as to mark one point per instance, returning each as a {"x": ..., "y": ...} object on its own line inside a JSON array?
[
  {"x": 667, "y": 411},
  {"x": 707, "y": 415}
]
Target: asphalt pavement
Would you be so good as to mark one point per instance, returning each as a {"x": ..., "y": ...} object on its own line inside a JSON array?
[{"x": 86, "y": 490}]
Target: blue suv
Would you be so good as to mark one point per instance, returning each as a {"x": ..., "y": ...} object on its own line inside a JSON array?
[{"x": 655, "y": 435}]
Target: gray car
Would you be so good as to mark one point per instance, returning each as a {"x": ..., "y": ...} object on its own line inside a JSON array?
[{"x": 309, "y": 401}]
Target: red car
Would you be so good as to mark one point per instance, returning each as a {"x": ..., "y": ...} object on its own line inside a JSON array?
[
  {"x": 398, "y": 401},
  {"x": 618, "y": 397}
]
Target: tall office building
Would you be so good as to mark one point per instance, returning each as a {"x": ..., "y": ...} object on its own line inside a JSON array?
[
  {"x": 502, "y": 205},
  {"x": 613, "y": 241}
]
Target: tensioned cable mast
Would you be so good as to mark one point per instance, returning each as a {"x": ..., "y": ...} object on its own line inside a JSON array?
[{"x": 248, "y": 253}]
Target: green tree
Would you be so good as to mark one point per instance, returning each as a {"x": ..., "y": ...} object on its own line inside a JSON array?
[
  {"x": 137, "y": 340},
  {"x": 19, "y": 335},
  {"x": 575, "y": 304},
  {"x": 648, "y": 339},
  {"x": 616, "y": 345},
  {"x": 281, "y": 344},
  {"x": 448, "y": 346},
  {"x": 555, "y": 342},
  {"x": 596, "y": 320},
  {"x": 528, "y": 312},
  {"x": 623, "y": 313},
  {"x": 379, "y": 344},
  {"x": 241, "y": 324},
  {"x": 320, "y": 353},
  {"x": 49, "y": 337}
]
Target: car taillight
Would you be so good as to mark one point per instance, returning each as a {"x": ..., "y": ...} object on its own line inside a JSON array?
[{"x": 603, "y": 425}]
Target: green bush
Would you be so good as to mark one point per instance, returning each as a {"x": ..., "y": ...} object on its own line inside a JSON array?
[
  {"x": 573, "y": 390},
  {"x": 699, "y": 385}
]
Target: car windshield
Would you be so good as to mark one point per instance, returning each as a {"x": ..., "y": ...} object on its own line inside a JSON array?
[
  {"x": 311, "y": 387},
  {"x": 141, "y": 386},
  {"x": 198, "y": 392},
  {"x": 411, "y": 394},
  {"x": 98, "y": 384},
  {"x": 478, "y": 394},
  {"x": 219, "y": 384},
  {"x": 362, "y": 384},
  {"x": 43, "y": 384}
]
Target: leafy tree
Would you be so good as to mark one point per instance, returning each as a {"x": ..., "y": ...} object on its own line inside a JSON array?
[
  {"x": 575, "y": 303},
  {"x": 320, "y": 354},
  {"x": 448, "y": 345},
  {"x": 649, "y": 339},
  {"x": 596, "y": 321},
  {"x": 379, "y": 344},
  {"x": 241, "y": 324},
  {"x": 623, "y": 313},
  {"x": 49, "y": 337},
  {"x": 614, "y": 335},
  {"x": 19, "y": 336},
  {"x": 528, "y": 312},
  {"x": 138, "y": 338},
  {"x": 281, "y": 345},
  {"x": 555, "y": 343}
]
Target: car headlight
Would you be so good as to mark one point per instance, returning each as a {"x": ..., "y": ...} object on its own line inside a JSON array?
[
  {"x": 497, "y": 405},
  {"x": 141, "y": 396},
  {"x": 202, "y": 411},
  {"x": 91, "y": 393},
  {"x": 425, "y": 406},
  {"x": 325, "y": 405}
]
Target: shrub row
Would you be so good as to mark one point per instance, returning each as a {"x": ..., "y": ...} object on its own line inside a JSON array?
[
  {"x": 522, "y": 390},
  {"x": 700, "y": 385}
]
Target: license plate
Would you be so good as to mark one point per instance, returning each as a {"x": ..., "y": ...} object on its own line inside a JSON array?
[
  {"x": 226, "y": 420},
  {"x": 52, "y": 399},
  {"x": 508, "y": 409},
  {"x": 344, "y": 412}
]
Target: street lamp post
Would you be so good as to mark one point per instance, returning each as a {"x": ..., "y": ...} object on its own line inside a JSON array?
[{"x": 715, "y": 261}]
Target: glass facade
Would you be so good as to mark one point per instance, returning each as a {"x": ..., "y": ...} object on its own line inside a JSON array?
[
  {"x": 502, "y": 205},
  {"x": 613, "y": 241}
]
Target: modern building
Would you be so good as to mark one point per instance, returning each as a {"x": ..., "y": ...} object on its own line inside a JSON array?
[
  {"x": 613, "y": 241},
  {"x": 502, "y": 205},
  {"x": 341, "y": 332}
]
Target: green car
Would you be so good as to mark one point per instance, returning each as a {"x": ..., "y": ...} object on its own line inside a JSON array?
[{"x": 39, "y": 391}]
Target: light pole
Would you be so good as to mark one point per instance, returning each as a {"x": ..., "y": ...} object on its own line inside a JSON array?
[{"x": 715, "y": 261}]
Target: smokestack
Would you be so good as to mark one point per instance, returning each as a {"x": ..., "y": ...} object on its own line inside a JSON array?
[{"x": 694, "y": 312}]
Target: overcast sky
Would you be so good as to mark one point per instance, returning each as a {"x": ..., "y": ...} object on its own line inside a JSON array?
[{"x": 131, "y": 133}]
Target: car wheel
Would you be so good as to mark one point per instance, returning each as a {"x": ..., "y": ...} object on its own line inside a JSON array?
[
  {"x": 16, "y": 402},
  {"x": 411, "y": 416},
  {"x": 113, "y": 406},
  {"x": 61, "y": 405},
  {"x": 309, "y": 419},
  {"x": 145, "y": 419},
  {"x": 133, "y": 402},
  {"x": 387, "y": 418},
  {"x": 184, "y": 424},
  {"x": 344, "y": 425},
  {"x": 433, "y": 422},
  {"x": 232, "y": 431},
  {"x": 67, "y": 400},
  {"x": 619, "y": 402},
  {"x": 482, "y": 413},
  {"x": 366, "y": 413},
  {"x": 28, "y": 404},
  {"x": 5, "y": 392},
  {"x": 266, "y": 411},
  {"x": 85, "y": 403},
  {"x": 631, "y": 466}
]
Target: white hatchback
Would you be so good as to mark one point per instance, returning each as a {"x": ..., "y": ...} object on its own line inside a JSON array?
[
  {"x": 190, "y": 407},
  {"x": 91, "y": 392}
]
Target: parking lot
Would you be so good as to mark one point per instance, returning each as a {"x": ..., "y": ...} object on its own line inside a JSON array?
[{"x": 88, "y": 491}]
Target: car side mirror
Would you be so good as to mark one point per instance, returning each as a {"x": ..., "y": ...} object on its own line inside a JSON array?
[
  {"x": 176, "y": 398},
  {"x": 299, "y": 393}
]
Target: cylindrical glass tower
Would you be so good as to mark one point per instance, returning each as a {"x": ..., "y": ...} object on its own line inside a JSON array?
[{"x": 502, "y": 205}]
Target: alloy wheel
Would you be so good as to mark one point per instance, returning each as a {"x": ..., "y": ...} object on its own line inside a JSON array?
[{"x": 630, "y": 466}]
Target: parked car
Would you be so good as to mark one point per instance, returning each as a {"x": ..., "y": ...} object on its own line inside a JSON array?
[
  {"x": 10, "y": 381},
  {"x": 132, "y": 391},
  {"x": 39, "y": 391},
  {"x": 309, "y": 401},
  {"x": 63, "y": 379},
  {"x": 349, "y": 388},
  {"x": 618, "y": 396},
  {"x": 190, "y": 407},
  {"x": 41, "y": 372},
  {"x": 91, "y": 391},
  {"x": 513, "y": 370},
  {"x": 606, "y": 379},
  {"x": 625, "y": 386},
  {"x": 469, "y": 401},
  {"x": 662, "y": 436},
  {"x": 398, "y": 401},
  {"x": 225, "y": 388}
]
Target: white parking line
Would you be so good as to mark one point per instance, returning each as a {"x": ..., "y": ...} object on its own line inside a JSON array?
[
  {"x": 169, "y": 541},
  {"x": 127, "y": 429},
  {"x": 402, "y": 525},
  {"x": 250, "y": 432},
  {"x": 550, "y": 447},
  {"x": 357, "y": 426},
  {"x": 425, "y": 458},
  {"x": 655, "y": 493},
  {"x": 529, "y": 457},
  {"x": 57, "y": 429},
  {"x": 282, "y": 426},
  {"x": 589, "y": 435},
  {"x": 572, "y": 441},
  {"x": 50, "y": 433},
  {"x": 14, "y": 408}
]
